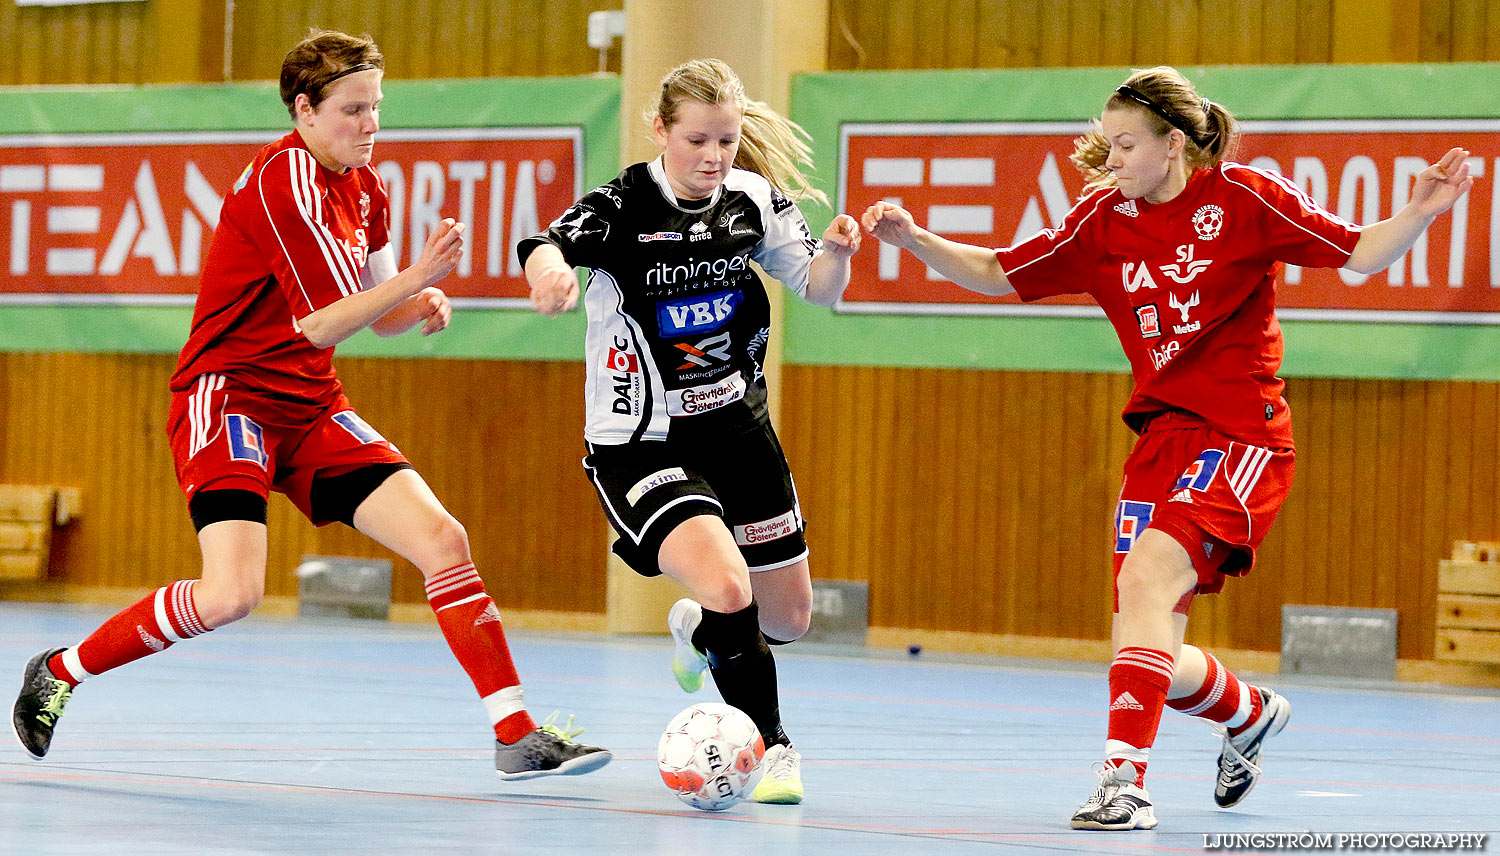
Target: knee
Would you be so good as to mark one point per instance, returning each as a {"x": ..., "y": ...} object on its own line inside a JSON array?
[
  {"x": 224, "y": 604},
  {"x": 446, "y": 544},
  {"x": 1142, "y": 585},
  {"x": 788, "y": 624},
  {"x": 727, "y": 592}
]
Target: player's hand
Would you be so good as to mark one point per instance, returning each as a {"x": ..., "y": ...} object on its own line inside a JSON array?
[
  {"x": 435, "y": 308},
  {"x": 441, "y": 254},
  {"x": 554, "y": 289},
  {"x": 890, "y": 223},
  {"x": 841, "y": 238},
  {"x": 1440, "y": 185}
]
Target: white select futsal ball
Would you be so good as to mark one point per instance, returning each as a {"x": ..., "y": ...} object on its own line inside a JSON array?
[{"x": 710, "y": 756}]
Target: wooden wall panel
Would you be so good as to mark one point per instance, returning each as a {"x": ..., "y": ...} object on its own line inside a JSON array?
[
  {"x": 983, "y": 501},
  {"x": 901, "y": 34},
  {"x": 470, "y": 38},
  {"x": 499, "y": 442}
]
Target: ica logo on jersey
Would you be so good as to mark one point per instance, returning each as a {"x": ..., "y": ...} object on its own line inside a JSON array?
[{"x": 697, "y": 314}]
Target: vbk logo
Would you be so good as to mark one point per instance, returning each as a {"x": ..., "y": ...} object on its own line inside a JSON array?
[
  {"x": 1149, "y": 319},
  {"x": 1131, "y": 519},
  {"x": 246, "y": 442},
  {"x": 697, "y": 314}
]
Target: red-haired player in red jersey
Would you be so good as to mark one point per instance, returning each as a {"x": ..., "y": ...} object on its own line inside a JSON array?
[
  {"x": 301, "y": 261},
  {"x": 1181, "y": 249}
]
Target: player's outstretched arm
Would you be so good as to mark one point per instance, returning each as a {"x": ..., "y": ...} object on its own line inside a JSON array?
[
  {"x": 346, "y": 316},
  {"x": 829, "y": 274},
  {"x": 1437, "y": 188},
  {"x": 974, "y": 268},
  {"x": 554, "y": 286}
]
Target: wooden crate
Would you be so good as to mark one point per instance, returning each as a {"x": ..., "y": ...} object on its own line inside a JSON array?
[
  {"x": 28, "y": 514},
  {"x": 1468, "y": 608}
]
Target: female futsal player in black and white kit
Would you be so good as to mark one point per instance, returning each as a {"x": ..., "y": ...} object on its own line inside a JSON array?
[{"x": 681, "y": 449}]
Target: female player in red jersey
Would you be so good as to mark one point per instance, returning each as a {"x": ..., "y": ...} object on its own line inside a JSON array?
[
  {"x": 301, "y": 261},
  {"x": 1180, "y": 248}
]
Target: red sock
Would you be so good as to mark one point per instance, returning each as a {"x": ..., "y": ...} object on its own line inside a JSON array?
[
  {"x": 1223, "y": 699},
  {"x": 153, "y": 623},
  {"x": 1138, "y": 682},
  {"x": 471, "y": 624}
]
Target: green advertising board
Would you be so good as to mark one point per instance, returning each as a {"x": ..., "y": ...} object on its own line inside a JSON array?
[{"x": 85, "y": 173}]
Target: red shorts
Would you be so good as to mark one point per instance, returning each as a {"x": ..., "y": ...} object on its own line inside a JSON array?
[
  {"x": 226, "y": 437},
  {"x": 1215, "y": 496}
]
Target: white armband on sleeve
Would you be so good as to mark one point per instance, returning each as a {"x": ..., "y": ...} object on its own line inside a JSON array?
[{"x": 379, "y": 267}]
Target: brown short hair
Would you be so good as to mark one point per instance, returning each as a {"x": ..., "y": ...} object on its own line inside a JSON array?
[{"x": 322, "y": 58}]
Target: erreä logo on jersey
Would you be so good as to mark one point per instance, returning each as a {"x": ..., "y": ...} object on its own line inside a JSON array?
[{"x": 697, "y": 314}]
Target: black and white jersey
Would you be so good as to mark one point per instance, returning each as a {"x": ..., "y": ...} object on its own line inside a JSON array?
[{"x": 678, "y": 321}]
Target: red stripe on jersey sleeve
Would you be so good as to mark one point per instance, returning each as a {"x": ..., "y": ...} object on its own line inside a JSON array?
[
  {"x": 312, "y": 266},
  {"x": 1055, "y": 261},
  {"x": 1297, "y": 230}
]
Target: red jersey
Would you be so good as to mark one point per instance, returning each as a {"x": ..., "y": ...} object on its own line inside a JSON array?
[
  {"x": 1190, "y": 287},
  {"x": 292, "y": 238}
]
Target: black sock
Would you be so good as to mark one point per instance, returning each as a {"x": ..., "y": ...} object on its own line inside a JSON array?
[{"x": 743, "y": 667}]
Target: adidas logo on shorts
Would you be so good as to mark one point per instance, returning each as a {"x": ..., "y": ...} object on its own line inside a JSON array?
[
  {"x": 1126, "y": 701},
  {"x": 1182, "y": 496}
]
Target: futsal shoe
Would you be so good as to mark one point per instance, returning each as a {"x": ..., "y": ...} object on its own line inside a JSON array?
[
  {"x": 548, "y": 751},
  {"x": 1117, "y": 803},
  {"x": 1239, "y": 765},
  {"x": 39, "y": 705},
  {"x": 688, "y": 663},
  {"x": 781, "y": 777}
]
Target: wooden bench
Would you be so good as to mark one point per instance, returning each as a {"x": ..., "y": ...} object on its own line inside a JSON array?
[
  {"x": 1468, "y": 603},
  {"x": 28, "y": 514}
]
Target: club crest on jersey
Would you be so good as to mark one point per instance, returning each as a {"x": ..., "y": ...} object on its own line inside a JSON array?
[
  {"x": 659, "y": 236},
  {"x": 698, "y": 314},
  {"x": 364, "y": 207},
  {"x": 1136, "y": 277},
  {"x": 1187, "y": 268},
  {"x": 246, "y": 441},
  {"x": 727, "y": 222},
  {"x": 1208, "y": 221},
  {"x": 1149, "y": 319},
  {"x": 1183, "y": 308}
]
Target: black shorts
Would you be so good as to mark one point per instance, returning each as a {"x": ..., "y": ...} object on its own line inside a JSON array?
[{"x": 648, "y": 488}]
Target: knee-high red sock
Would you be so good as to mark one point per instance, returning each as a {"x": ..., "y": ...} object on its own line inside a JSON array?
[
  {"x": 153, "y": 623},
  {"x": 1138, "y": 682},
  {"x": 1223, "y": 699},
  {"x": 471, "y": 624}
]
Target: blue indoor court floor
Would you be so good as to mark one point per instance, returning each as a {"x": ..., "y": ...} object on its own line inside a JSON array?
[{"x": 341, "y": 737}]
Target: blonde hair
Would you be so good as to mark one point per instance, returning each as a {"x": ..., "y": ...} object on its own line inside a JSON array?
[
  {"x": 1168, "y": 100},
  {"x": 771, "y": 145}
]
